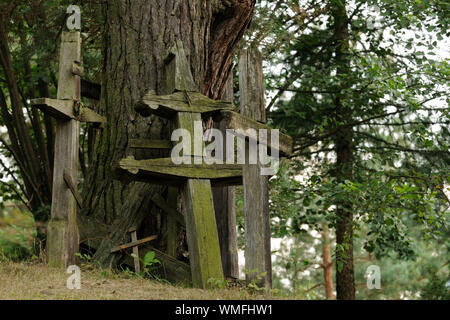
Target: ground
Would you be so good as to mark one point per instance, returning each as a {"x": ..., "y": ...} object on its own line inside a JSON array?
[{"x": 36, "y": 281}]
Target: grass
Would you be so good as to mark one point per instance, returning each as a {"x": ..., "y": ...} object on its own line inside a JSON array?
[
  {"x": 24, "y": 276},
  {"x": 36, "y": 281}
]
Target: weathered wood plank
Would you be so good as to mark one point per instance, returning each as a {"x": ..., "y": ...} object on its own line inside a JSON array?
[
  {"x": 240, "y": 123},
  {"x": 77, "y": 69},
  {"x": 59, "y": 109},
  {"x": 64, "y": 110},
  {"x": 150, "y": 144},
  {"x": 167, "y": 208},
  {"x": 73, "y": 188},
  {"x": 137, "y": 263},
  {"x": 90, "y": 116},
  {"x": 201, "y": 231},
  {"x": 256, "y": 192},
  {"x": 178, "y": 76},
  {"x": 165, "y": 167},
  {"x": 63, "y": 236},
  {"x": 198, "y": 207},
  {"x": 225, "y": 210},
  {"x": 168, "y": 105},
  {"x": 133, "y": 243}
]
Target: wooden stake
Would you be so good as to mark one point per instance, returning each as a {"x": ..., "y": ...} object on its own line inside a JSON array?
[
  {"x": 256, "y": 195},
  {"x": 201, "y": 228},
  {"x": 63, "y": 237}
]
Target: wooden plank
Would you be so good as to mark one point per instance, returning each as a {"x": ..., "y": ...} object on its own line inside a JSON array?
[
  {"x": 201, "y": 228},
  {"x": 165, "y": 167},
  {"x": 170, "y": 210},
  {"x": 150, "y": 144},
  {"x": 63, "y": 236},
  {"x": 133, "y": 243},
  {"x": 225, "y": 210},
  {"x": 201, "y": 231},
  {"x": 64, "y": 110},
  {"x": 59, "y": 109},
  {"x": 137, "y": 264},
  {"x": 73, "y": 188},
  {"x": 90, "y": 116},
  {"x": 178, "y": 76},
  {"x": 240, "y": 123},
  {"x": 168, "y": 105},
  {"x": 175, "y": 271},
  {"x": 77, "y": 69},
  {"x": 256, "y": 192}
]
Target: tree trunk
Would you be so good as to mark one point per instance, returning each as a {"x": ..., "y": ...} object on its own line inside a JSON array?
[
  {"x": 137, "y": 37},
  {"x": 345, "y": 282},
  {"x": 327, "y": 264}
]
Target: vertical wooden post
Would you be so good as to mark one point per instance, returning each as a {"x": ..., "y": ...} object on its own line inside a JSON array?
[
  {"x": 201, "y": 228},
  {"x": 137, "y": 263},
  {"x": 63, "y": 237},
  {"x": 225, "y": 209},
  {"x": 256, "y": 194}
]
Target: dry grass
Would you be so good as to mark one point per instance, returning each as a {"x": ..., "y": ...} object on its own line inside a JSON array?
[{"x": 31, "y": 281}]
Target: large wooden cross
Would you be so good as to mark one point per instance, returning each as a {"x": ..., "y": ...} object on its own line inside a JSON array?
[
  {"x": 186, "y": 107},
  {"x": 63, "y": 237}
]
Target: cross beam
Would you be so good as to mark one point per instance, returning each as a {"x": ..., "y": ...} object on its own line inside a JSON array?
[
  {"x": 135, "y": 243},
  {"x": 63, "y": 237}
]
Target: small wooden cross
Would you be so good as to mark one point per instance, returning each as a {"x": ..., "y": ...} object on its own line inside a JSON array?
[
  {"x": 63, "y": 237},
  {"x": 135, "y": 243}
]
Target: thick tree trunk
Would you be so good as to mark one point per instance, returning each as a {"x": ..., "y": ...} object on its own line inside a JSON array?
[
  {"x": 137, "y": 37},
  {"x": 345, "y": 279}
]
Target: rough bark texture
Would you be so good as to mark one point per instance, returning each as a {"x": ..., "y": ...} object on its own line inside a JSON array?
[
  {"x": 137, "y": 37},
  {"x": 345, "y": 278}
]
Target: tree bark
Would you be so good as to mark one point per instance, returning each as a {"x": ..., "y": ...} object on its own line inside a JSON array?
[
  {"x": 137, "y": 37},
  {"x": 327, "y": 264},
  {"x": 345, "y": 279}
]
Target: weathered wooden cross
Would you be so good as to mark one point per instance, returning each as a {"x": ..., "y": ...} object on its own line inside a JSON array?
[
  {"x": 135, "y": 243},
  {"x": 186, "y": 107},
  {"x": 63, "y": 237}
]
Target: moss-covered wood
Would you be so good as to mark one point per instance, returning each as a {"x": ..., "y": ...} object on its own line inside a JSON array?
[
  {"x": 183, "y": 101},
  {"x": 133, "y": 243},
  {"x": 156, "y": 170},
  {"x": 201, "y": 231},
  {"x": 64, "y": 110},
  {"x": 63, "y": 237},
  {"x": 133, "y": 64},
  {"x": 238, "y": 122}
]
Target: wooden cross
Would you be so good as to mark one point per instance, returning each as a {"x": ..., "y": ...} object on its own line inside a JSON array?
[
  {"x": 63, "y": 237},
  {"x": 135, "y": 243},
  {"x": 184, "y": 106}
]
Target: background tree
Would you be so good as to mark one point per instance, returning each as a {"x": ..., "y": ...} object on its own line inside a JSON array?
[{"x": 366, "y": 93}]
